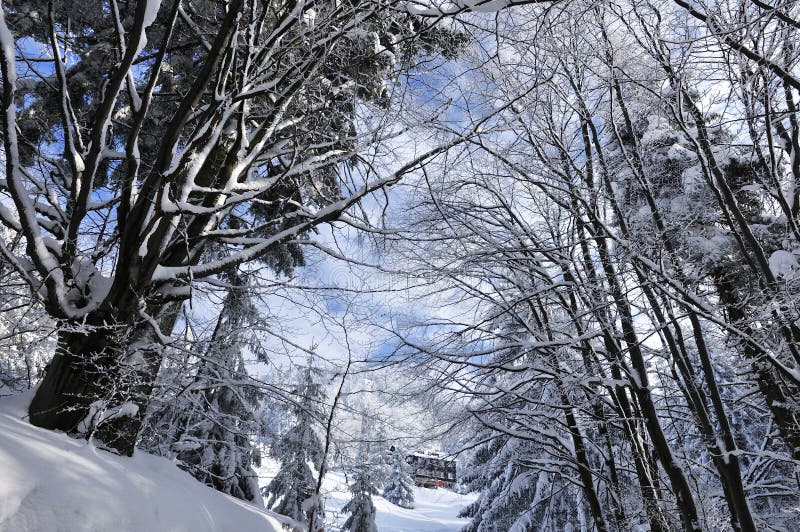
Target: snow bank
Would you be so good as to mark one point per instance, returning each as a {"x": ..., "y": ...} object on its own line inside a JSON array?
[{"x": 51, "y": 483}]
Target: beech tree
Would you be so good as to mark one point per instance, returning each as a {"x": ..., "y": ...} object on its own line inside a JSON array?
[
  {"x": 619, "y": 239},
  {"x": 613, "y": 237},
  {"x": 151, "y": 145}
]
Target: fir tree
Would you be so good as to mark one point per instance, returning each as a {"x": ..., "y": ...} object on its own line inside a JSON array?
[
  {"x": 209, "y": 428},
  {"x": 292, "y": 491},
  {"x": 379, "y": 454},
  {"x": 398, "y": 487},
  {"x": 360, "y": 507}
]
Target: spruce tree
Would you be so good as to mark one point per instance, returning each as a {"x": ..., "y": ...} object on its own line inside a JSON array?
[
  {"x": 208, "y": 422},
  {"x": 360, "y": 507},
  {"x": 292, "y": 491},
  {"x": 398, "y": 487}
]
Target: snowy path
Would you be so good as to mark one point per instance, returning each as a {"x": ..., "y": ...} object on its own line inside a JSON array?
[{"x": 434, "y": 510}]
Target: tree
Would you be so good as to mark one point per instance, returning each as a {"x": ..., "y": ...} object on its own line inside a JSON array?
[
  {"x": 515, "y": 495},
  {"x": 615, "y": 243},
  {"x": 620, "y": 236},
  {"x": 293, "y": 490},
  {"x": 360, "y": 506},
  {"x": 221, "y": 134},
  {"x": 207, "y": 419},
  {"x": 26, "y": 334},
  {"x": 398, "y": 486}
]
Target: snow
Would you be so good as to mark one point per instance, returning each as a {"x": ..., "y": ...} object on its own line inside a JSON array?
[
  {"x": 98, "y": 413},
  {"x": 435, "y": 510},
  {"x": 782, "y": 263},
  {"x": 150, "y": 15},
  {"x": 50, "y": 482},
  {"x": 478, "y": 6}
]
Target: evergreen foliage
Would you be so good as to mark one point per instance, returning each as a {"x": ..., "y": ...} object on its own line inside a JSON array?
[
  {"x": 398, "y": 486},
  {"x": 360, "y": 506},
  {"x": 210, "y": 424},
  {"x": 292, "y": 491},
  {"x": 238, "y": 120}
]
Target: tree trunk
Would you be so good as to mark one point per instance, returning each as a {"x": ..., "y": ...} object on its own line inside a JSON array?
[
  {"x": 71, "y": 381},
  {"x": 99, "y": 383}
]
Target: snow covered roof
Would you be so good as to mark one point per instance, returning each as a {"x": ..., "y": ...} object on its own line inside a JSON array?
[{"x": 432, "y": 454}]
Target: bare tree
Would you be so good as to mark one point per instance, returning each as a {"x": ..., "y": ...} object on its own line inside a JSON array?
[{"x": 608, "y": 231}]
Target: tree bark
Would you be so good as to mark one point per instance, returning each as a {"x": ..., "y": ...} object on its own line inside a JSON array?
[
  {"x": 76, "y": 372},
  {"x": 99, "y": 382}
]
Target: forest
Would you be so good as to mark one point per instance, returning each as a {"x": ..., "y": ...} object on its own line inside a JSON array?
[{"x": 288, "y": 249}]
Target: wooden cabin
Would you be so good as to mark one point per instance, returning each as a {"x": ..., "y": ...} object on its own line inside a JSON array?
[{"x": 432, "y": 469}]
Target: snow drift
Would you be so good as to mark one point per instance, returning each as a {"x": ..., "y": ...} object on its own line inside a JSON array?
[{"x": 50, "y": 482}]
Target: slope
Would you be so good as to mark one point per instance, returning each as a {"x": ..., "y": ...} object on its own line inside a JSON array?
[{"x": 52, "y": 483}]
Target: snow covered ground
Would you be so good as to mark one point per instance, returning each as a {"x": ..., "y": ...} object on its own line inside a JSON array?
[
  {"x": 52, "y": 483},
  {"x": 434, "y": 510}
]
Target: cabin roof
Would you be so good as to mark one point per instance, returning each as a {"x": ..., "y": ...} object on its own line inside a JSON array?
[{"x": 432, "y": 454}]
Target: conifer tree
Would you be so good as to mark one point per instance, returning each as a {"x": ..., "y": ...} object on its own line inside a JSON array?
[
  {"x": 208, "y": 427},
  {"x": 292, "y": 490},
  {"x": 398, "y": 487},
  {"x": 360, "y": 507}
]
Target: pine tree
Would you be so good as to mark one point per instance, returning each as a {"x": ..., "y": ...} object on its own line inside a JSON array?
[
  {"x": 398, "y": 487},
  {"x": 292, "y": 491},
  {"x": 223, "y": 455}
]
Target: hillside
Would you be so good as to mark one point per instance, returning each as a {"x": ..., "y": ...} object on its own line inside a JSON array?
[{"x": 52, "y": 483}]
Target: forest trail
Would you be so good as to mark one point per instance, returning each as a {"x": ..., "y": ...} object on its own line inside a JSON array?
[{"x": 435, "y": 510}]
